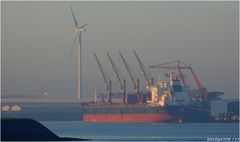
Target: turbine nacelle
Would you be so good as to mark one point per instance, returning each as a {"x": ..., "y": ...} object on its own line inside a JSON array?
[{"x": 78, "y": 30}]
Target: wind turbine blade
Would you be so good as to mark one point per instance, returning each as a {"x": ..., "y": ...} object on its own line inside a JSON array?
[
  {"x": 82, "y": 26},
  {"x": 74, "y": 41},
  {"x": 75, "y": 21}
]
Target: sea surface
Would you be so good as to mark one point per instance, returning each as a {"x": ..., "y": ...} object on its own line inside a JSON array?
[{"x": 146, "y": 131}]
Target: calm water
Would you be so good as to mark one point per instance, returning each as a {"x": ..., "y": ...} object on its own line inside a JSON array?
[{"x": 139, "y": 131}]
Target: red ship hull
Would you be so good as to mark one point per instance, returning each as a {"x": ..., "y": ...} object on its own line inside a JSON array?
[{"x": 126, "y": 118}]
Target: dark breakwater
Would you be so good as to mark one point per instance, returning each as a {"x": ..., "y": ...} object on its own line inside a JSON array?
[{"x": 28, "y": 130}]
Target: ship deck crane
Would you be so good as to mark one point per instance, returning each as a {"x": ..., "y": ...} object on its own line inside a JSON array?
[
  {"x": 149, "y": 82},
  {"x": 134, "y": 82},
  {"x": 169, "y": 65},
  {"x": 108, "y": 83},
  {"x": 121, "y": 82}
]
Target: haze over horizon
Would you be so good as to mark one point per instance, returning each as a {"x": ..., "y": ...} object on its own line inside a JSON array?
[{"x": 37, "y": 39}]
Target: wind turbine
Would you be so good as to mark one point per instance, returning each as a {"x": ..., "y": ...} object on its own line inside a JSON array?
[{"x": 79, "y": 29}]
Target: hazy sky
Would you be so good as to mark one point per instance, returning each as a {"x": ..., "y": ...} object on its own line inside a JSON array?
[{"x": 37, "y": 40}]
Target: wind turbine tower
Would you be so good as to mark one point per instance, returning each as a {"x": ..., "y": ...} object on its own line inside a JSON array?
[{"x": 79, "y": 29}]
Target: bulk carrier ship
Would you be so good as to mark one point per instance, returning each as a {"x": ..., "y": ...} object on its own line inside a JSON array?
[
  {"x": 169, "y": 102},
  {"x": 144, "y": 114}
]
